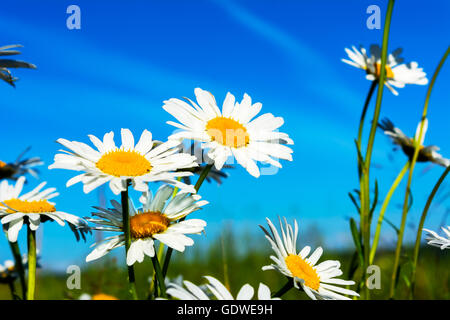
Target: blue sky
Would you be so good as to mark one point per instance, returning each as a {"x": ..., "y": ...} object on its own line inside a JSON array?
[{"x": 130, "y": 56}]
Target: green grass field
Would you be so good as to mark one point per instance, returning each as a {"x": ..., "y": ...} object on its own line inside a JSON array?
[{"x": 236, "y": 266}]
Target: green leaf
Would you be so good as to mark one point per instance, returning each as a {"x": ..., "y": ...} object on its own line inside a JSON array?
[
  {"x": 392, "y": 225},
  {"x": 375, "y": 201},
  {"x": 410, "y": 200},
  {"x": 352, "y": 198},
  {"x": 408, "y": 283},
  {"x": 360, "y": 157},
  {"x": 357, "y": 239}
]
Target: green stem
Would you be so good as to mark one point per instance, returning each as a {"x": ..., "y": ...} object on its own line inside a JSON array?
[
  {"x": 154, "y": 283},
  {"x": 398, "y": 248},
  {"x": 19, "y": 266},
  {"x": 12, "y": 289},
  {"x": 288, "y": 286},
  {"x": 197, "y": 186},
  {"x": 417, "y": 141},
  {"x": 383, "y": 210},
  {"x": 358, "y": 142},
  {"x": 365, "y": 191},
  {"x": 159, "y": 276},
  {"x": 203, "y": 176},
  {"x": 363, "y": 117},
  {"x": 225, "y": 264},
  {"x": 127, "y": 233},
  {"x": 161, "y": 250},
  {"x": 421, "y": 223},
  {"x": 31, "y": 237}
]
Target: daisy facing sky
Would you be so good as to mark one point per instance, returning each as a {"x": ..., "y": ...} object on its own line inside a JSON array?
[
  {"x": 140, "y": 163},
  {"x": 232, "y": 131},
  {"x": 439, "y": 241},
  {"x": 317, "y": 280},
  {"x": 216, "y": 290},
  {"x": 32, "y": 208},
  {"x": 397, "y": 73},
  {"x": 428, "y": 153},
  {"x": 155, "y": 221}
]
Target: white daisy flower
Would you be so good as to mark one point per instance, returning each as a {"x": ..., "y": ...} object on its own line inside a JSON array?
[
  {"x": 428, "y": 153},
  {"x": 216, "y": 290},
  {"x": 157, "y": 220},
  {"x": 203, "y": 160},
  {"x": 436, "y": 240},
  {"x": 33, "y": 208},
  {"x": 397, "y": 74},
  {"x": 231, "y": 132},
  {"x": 140, "y": 163},
  {"x": 318, "y": 281}
]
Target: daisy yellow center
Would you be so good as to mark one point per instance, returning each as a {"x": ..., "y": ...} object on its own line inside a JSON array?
[
  {"x": 303, "y": 270},
  {"x": 389, "y": 72},
  {"x": 24, "y": 206},
  {"x": 227, "y": 132},
  {"x": 120, "y": 163},
  {"x": 2, "y": 164},
  {"x": 145, "y": 225},
  {"x": 102, "y": 296}
]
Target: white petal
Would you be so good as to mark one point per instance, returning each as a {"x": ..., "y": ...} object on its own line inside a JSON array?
[{"x": 246, "y": 292}]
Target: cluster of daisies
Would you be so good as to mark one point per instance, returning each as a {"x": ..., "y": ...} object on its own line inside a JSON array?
[{"x": 234, "y": 133}]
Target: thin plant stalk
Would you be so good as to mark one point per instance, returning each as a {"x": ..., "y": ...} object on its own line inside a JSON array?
[
  {"x": 19, "y": 266},
  {"x": 197, "y": 186},
  {"x": 12, "y": 289},
  {"x": 365, "y": 178},
  {"x": 384, "y": 206},
  {"x": 203, "y": 176},
  {"x": 154, "y": 283},
  {"x": 161, "y": 246},
  {"x": 225, "y": 263},
  {"x": 363, "y": 117},
  {"x": 31, "y": 239},
  {"x": 159, "y": 276},
  {"x": 361, "y": 126},
  {"x": 436, "y": 187},
  {"x": 288, "y": 286},
  {"x": 127, "y": 234},
  {"x": 408, "y": 186},
  {"x": 419, "y": 229}
]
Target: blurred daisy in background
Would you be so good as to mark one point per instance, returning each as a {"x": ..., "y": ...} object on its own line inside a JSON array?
[
  {"x": 215, "y": 289},
  {"x": 98, "y": 296},
  {"x": 157, "y": 220},
  {"x": 20, "y": 167},
  {"x": 8, "y": 270},
  {"x": 140, "y": 163},
  {"x": 397, "y": 74},
  {"x": 426, "y": 154},
  {"x": 33, "y": 208},
  {"x": 230, "y": 132},
  {"x": 438, "y": 241},
  {"x": 317, "y": 280},
  {"x": 6, "y": 64}
]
